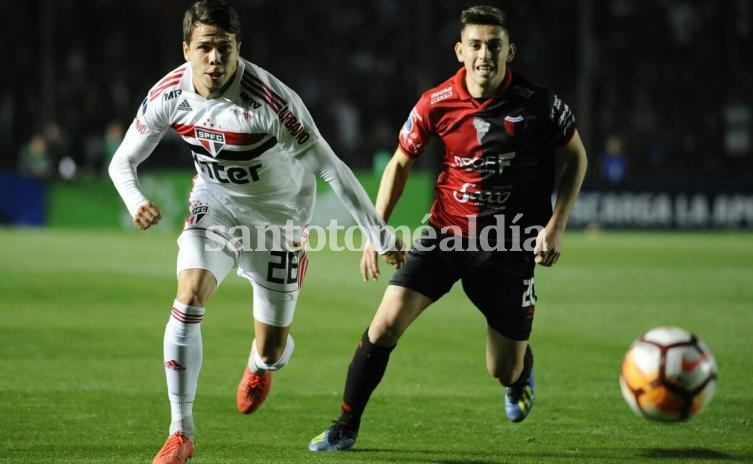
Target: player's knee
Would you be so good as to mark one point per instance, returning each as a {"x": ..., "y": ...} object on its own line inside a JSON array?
[
  {"x": 191, "y": 298},
  {"x": 195, "y": 287},
  {"x": 384, "y": 333}
]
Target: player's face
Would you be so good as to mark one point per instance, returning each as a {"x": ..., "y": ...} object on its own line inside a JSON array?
[
  {"x": 213, "y": 54},
  {"x": 485, "y": 51}
]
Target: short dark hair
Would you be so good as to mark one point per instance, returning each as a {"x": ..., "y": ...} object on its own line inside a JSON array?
[
  {"x": 484, "y": 15},
  {"x": 212, "y": 12}
]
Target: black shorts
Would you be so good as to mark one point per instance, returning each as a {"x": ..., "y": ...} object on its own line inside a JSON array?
[{"x": 499, "y": 283}]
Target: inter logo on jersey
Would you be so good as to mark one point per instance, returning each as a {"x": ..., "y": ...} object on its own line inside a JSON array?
[{"x": 211, "y": 140}]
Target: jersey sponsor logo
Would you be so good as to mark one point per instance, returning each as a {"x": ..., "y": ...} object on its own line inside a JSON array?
[
  {"x": 213, "y": 141},
  {"x": 511, "y": 122},
  {"x": 293, "y": 125},
  {"x": 441, "y": 95},
  {"x": 486, "y": 166},
  {"x": 140, "y": 126},
  {"x": 184, "y": 106},
  {"x": 488, "y": 199},
  {"x": 228, "y": 174},
  {"x": 242, "y": 114},
  {"x": 482, "y": 128},
  {"x": 171, "y": 94},
  {"x": 246, "y": 98}
]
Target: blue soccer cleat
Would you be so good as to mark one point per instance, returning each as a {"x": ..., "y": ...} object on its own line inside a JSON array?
[
  {"x": 338, "y": 437},
  {"x": 519, "y": 400}
]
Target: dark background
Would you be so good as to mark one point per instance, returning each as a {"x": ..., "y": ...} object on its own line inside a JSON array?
[{"x": 669, "y": 80}]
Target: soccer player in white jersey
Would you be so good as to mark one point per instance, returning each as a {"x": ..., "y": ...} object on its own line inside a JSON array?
[{"x": 257, "y": 151}]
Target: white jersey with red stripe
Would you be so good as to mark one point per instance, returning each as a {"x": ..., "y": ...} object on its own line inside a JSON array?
[
  {"x": 242, "y": 143},
  {"x": 256, "y": 148}
]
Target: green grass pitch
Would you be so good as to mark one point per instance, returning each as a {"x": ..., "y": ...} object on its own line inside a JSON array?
[{"x": 81, "y": 379}]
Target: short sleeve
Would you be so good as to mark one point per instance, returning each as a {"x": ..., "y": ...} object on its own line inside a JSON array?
[
  {"x": 561, "y": 121},
  {"x": 151, "y": 116},
  {"x": 416, "y": 132}
]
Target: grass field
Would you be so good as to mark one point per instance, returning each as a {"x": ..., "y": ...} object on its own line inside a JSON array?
[{"x": 81, "y": 377}]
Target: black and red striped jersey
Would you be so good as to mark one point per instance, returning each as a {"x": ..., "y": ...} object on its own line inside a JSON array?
[{"x": 498, "y": 164}]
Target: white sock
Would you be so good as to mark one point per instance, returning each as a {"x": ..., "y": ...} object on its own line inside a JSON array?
[
  {"x": 258, "y": 366},
  {"x": 183, "y": 354}
]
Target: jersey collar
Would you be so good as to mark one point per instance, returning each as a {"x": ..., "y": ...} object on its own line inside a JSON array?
[
  {"x": 233, "y": 89},
  {"x": 459, "y": 84}
]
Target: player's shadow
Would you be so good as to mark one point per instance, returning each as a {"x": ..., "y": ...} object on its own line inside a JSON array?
[{"x": 691, "y": 453}]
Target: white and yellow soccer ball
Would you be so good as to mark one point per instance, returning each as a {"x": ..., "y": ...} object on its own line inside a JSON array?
[{"x": 668, "y": 375}]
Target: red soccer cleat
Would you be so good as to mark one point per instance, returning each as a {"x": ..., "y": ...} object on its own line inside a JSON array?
[
  {"x": 252, "y": 391},
  {"x": 177, "y": 450}
]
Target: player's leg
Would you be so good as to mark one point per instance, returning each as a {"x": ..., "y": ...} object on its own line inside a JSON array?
[
  {"x": 399, "y": 308},
  {"x": 511, "y": 362},
  {"x": 199, "y": 274},
  {"x": 426, "y": 276},
  {"x": 276, "y": 278},
  {"x": 501, "y": 287},
  {"x": 271, "y": 347},
  {"x": 182, "y": 345}
]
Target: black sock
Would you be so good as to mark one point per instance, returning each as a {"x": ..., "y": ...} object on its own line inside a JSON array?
[
  {"x": 364, "y": 374},
  {"x": 527, "y": 367}
]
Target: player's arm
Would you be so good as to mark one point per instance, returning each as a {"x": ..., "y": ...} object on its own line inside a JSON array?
[
  {"x": 320, "y": 158},
  {"x": 393, "y": 182},
  {"x": 571, "y": 162},
  {"x": 136, "y": 146},
  {"x": 391, "y": 188}
]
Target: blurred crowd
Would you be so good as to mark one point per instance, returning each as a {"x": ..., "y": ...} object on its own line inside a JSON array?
[{"x": 668, "y": 95}]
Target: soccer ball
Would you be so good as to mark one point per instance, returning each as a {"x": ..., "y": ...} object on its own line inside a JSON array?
[{"x": 668, "y": 375}]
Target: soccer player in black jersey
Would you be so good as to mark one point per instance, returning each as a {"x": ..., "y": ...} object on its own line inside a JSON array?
[{"x": 492, "y": 220}]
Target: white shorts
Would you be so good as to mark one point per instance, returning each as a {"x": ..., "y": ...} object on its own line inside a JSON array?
[{"x": 214, "y": 239}]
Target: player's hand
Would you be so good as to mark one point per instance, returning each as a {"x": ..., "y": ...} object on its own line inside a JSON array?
[
  {"x": 370, "y": 260},
  {"x": 397, "y": 256},
  {"x": 547, "y": 249},
  {"x": 147, "y": 215},
  {"x": 369, "y": 263}
]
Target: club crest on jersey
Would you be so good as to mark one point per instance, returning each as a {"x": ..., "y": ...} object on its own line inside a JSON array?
[
  {"x": 482, "y": 128},
  {"x": 510, "y": 123},
  {"x": 198, "y": 212},
  {"x": 211, "y": 140}
]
